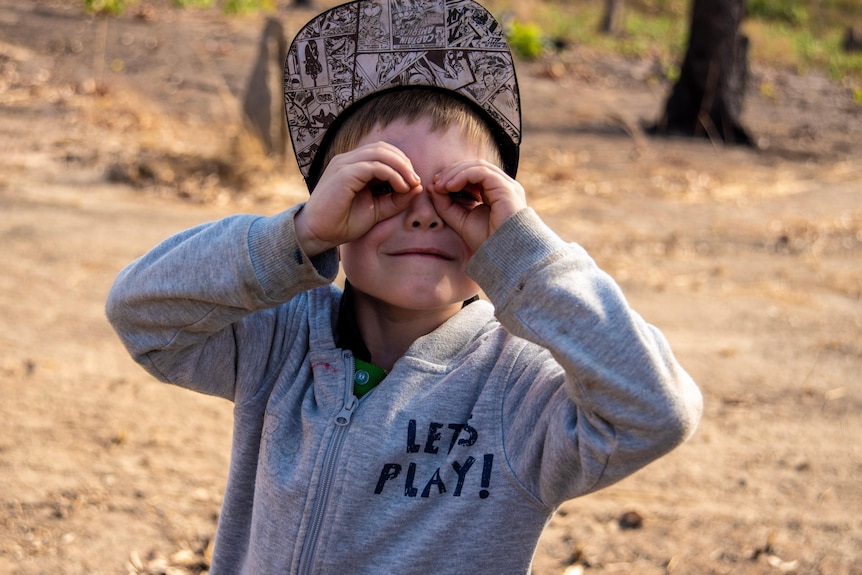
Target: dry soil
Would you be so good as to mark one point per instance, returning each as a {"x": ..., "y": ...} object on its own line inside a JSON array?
[{"x": 115, "y": 133}]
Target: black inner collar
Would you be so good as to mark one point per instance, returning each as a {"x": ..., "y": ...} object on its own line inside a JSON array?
[{"x": 347, "y": 335}]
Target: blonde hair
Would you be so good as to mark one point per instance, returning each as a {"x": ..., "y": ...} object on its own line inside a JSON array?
[{"x": 442, "y": 110}]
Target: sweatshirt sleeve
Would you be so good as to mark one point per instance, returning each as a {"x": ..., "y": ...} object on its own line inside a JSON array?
[
  {"x": 177, "y": 309},
  {"x": 610, "y": 397}
]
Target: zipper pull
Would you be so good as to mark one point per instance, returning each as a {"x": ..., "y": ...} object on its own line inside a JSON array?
[{"x": 343, "y": 417}]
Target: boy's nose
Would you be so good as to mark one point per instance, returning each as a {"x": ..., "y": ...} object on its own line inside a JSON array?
[{"x": 422, "y": 214}]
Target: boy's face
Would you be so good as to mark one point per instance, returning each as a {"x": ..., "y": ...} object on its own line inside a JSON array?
[{"x": 414, "y": 261}]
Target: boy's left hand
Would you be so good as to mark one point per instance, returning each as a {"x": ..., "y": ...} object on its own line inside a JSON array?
[{"x": 474, "y": 198}]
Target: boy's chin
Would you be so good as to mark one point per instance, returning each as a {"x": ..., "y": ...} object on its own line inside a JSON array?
[{"x": 408, "y": 299}]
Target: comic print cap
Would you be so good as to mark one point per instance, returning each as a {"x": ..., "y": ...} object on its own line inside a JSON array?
[{"x": 367, "y": 47}]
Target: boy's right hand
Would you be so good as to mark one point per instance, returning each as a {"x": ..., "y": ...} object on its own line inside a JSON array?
[{"x": 354, "y": 194}]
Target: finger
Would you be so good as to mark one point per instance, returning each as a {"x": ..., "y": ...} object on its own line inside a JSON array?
[
  {"x": 504, "y": 194},
  {"x": 471, "y": 222},
  {"x": 499, "y": 197},
  {"x": 359, "y": 189},
  {"x": 483, "y": 177},
  {"x": 393, "y": 202},
  {"x": 378, "y": 155}
]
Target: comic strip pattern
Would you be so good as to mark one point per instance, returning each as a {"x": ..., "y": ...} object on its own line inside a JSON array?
[{"x": 360, "y": 48}]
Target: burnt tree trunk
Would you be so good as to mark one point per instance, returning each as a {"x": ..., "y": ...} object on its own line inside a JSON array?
[
  {"x": 611, "y": 18},
  {"x": 852, "y": 40},
  {"x": 263, "y": 106},
  {"x": 707, "y": 99}
]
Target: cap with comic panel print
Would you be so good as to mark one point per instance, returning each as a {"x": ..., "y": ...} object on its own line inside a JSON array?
[{"x": 367, "y": 47}]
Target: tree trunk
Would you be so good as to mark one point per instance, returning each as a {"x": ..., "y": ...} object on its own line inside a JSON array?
[
  {"x": 852, "y": 40},
  {"x": 611, "y": 18},
  {"x": 707, "y": 99},
  {"x": 263, "y": 106}
]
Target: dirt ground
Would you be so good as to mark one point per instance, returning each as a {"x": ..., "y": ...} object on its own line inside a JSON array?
[{"x": 115, "y": 134}]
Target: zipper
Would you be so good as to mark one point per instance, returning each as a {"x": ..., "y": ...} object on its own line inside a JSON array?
[{"x": 330, "y": 461}]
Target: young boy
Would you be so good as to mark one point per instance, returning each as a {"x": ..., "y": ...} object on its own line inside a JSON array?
[{"x": 403, "y": 425}]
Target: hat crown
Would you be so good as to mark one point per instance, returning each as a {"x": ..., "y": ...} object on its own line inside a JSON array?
[{"x": 366, "y": 47}]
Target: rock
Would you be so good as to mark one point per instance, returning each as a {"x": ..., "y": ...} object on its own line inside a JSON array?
[{"x": 631, "y": 520}]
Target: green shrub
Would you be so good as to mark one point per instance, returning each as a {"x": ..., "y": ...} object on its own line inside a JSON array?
[
  {"x": 110, "y": 7},
  {"x": 194, "y": 3},
  {"x": 245, "y": 6},
  {"x": 790, "y": 11},
  {"x": 643, "y": 34},
  {"x": 662, "y": 7},
  {"x": 525, "y": 40}
]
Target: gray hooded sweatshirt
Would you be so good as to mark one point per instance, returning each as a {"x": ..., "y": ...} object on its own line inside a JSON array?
[{"x": 458, "y": 459}]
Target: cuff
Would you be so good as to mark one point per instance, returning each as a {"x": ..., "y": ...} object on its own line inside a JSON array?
[{"x": 278, "y": 260}]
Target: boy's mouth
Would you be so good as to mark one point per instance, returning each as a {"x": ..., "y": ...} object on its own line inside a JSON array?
[{"x": 423, "y": 252}]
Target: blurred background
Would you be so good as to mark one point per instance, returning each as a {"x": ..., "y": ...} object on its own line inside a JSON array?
[{"x": 706, "y": 153}]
